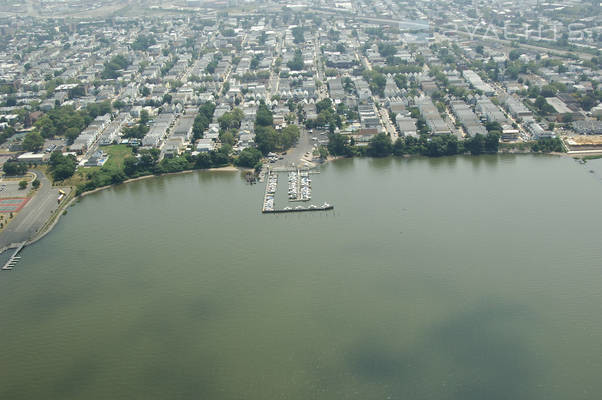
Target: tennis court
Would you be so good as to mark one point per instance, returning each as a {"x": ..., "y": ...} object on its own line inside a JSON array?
[{"x": 12, "y": 204}]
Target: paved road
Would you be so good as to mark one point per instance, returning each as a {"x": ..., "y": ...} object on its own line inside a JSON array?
[
  {"x": 33, "y": 216},
  {"x": 295, "y": 154},
  {"x": 385, "y": 121}
]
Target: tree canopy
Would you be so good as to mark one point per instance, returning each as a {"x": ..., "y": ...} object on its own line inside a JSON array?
[
  {"x": 298, "y": 36},
  {"x": 203, "y": 119},
  {"x": 143, "y": 42},
  {"x": 297, "y": 63},
  {"x": 14, "y": 168},
  {"x": 61, "y": 167},
  {"x": 248, "y": 158},
  {"x": 113, "y": 67},
  {"x": 33, "y": 141}
]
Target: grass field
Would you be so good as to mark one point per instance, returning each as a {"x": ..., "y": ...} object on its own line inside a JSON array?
[{"x": 117, "y": 153}]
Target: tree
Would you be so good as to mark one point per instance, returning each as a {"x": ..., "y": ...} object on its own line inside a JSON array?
[
  {"x": 266, "y": 139},
  {"x": 227, "y": 137},
  {"x": 476, "y": 144},
  {"x": 298, "y": 36},
  {"x": 290, "y": 117},
  {"x": 386, "y": 49},
  {"x": 288, "y": 137},
  {"x": 323, "y": 105},
  {"x": 231, "y": 119},
  {"x": 338, "y": 145},
  {"x": 548, "y": 145},
  {"x": 71, "y": 134},
  {"x": 401, "y": 81},
  {"x": 399, "y": 147},
  {"x": 144, "y": 117},
  {"x": 130, "y": 165},
  {"x": 46, "y": 126},
  {"x": 119, "y": 104},
  {"x": 35, "y": 184},
  {"x": 14, "y": 168},
  {"x": 203, "y": 119},
  {"x": 113, "y": 67},
  {"x": 144, "y": 91},
  {"x": 264, "y": 116},
  {"x": 492, "y": 142},
  {"x": 33, "y": 141},
  {"x": 220, "y": 157},
  {"x": 22, "y": 185},
  {"x": 380, "y": 146},
  {"x": 137, "y": 131},
  {"x": 248, "y": 158},
  {"x": 514, "y": 54},
  {"x": 61, "y": 167},
  {"x": 11, "y": 101},
  {"x": 297, "y": 63},
  {"x": 543, "y": 106},
  {"x": 203, "y": 161},
  {"x": 323, "y": 152},
  {"x": 143, "y": 42},
  {"x": 63, "y": 171},
  {"x": 493, "y": 126},
  {"x": 377, "y": 82},
  {"x": 255, "y": 61}
]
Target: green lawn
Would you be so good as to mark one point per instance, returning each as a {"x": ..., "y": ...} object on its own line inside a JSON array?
[{"x": 117, "y": 153}]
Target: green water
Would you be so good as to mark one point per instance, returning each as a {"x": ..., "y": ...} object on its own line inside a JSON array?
[{"x": 456, "y": 278}]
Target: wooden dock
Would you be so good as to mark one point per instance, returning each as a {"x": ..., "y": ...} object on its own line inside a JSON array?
[{"x": 14, "y": 258}]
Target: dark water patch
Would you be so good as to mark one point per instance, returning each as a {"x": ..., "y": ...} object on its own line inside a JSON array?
[
  {"x": 473, "y": 353},
  {"x": 372, "y": 360},
  {"x": 75, "y": 378},
  {"x": 497, "y": 363}
]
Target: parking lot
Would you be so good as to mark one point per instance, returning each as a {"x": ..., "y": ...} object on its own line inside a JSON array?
[{"x": 10, "y": 188}]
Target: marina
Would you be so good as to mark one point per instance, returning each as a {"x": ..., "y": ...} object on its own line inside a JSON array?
[{"x": 299, "y": 190}]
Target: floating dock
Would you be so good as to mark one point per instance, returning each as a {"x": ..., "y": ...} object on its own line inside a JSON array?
[
  {"x": 300, "y": 209},
  {"x": 14, "y": 258}
]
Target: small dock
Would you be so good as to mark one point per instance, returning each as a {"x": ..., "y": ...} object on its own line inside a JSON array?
[{"x": 14, "y": 258}]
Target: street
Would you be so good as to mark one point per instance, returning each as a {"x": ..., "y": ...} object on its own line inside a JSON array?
[{"x": 33, "y": 215}]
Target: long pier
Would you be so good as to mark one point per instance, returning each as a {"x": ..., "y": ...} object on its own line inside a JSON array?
[
  {"x": 14, "y": 258},
  {"x": 300, "y": 209}
]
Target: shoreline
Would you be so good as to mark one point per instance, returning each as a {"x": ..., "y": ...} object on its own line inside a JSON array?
[
  {"x": 61, "y": 210},
  {"x": 228, "y": 168}
]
